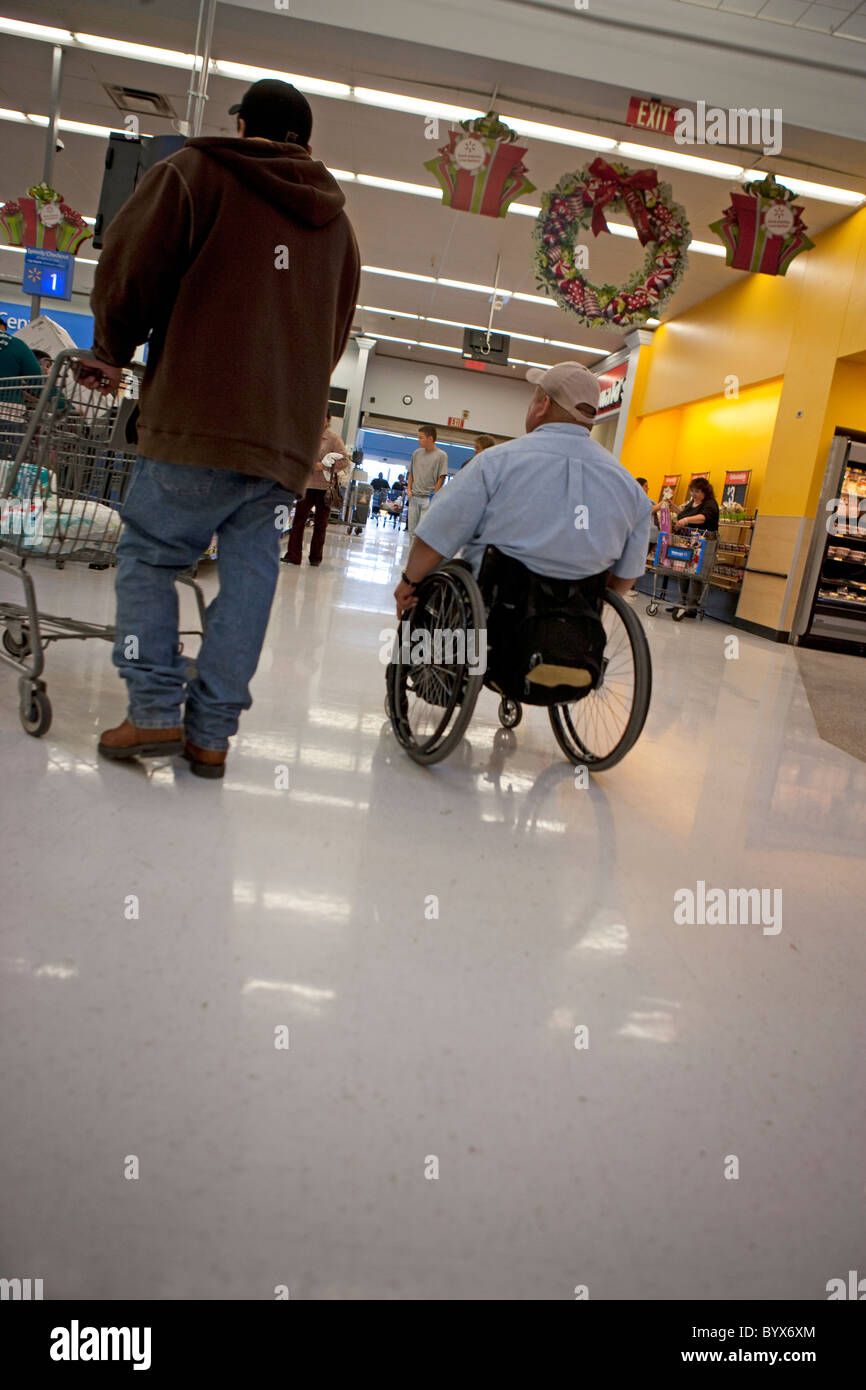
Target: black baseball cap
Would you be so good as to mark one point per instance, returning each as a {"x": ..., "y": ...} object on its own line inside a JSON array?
[{"x": 275, "y": 110}]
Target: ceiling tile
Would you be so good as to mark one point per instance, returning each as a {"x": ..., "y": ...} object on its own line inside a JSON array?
[{"x": 825, "y": 18}]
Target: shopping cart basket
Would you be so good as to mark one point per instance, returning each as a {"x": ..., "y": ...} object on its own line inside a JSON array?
[{"x": 65, "y": 466}]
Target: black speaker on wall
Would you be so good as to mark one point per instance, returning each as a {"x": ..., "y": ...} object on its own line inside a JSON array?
[{"x": 127, "y": 159}]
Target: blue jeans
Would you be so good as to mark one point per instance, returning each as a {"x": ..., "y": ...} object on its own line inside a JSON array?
[{"x": 170, "y": 513}]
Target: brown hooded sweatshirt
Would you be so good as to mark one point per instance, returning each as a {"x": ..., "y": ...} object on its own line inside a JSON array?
[{"x": 241, "y": 348}]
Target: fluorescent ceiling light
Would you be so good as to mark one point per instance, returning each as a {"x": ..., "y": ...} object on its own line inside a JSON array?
[
  {"x": 675, "y": 160},
  {"x": 318, "y": 86},
  {"x": 421, "y": 190},
  {"x": 399, "y": 274},
  {"x": 560, "y": 135},
  {"x": 577, "y": 347},
  {"x": 468, "y": 285},
  {"x": 707, "y": 248},
  {"x": 84, "y": 128},
  {"x": 23, "y": 30},
  {"x": 166, "y": 57},
  {"x": 524, "y": 209},
  {"x": 440, "y": 347},
  {"x": 386, "y": 338},
  {"x": 342, "y": 175},
  {"x": 531, "y": 298},
  {"x": 392, "y": 313},
  {"x": 822, "y": 191},
  {"x": 413, "y": 106},
  {"x": 653, "y": 323}
]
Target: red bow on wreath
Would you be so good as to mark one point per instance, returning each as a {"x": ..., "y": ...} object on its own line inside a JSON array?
[{"x": 613, "y": 185}]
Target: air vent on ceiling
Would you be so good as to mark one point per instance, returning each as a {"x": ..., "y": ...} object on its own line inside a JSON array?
[{"x": 141, "y": 102}]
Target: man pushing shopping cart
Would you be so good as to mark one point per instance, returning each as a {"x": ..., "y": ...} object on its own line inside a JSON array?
[{"x": 235, "y": 261}]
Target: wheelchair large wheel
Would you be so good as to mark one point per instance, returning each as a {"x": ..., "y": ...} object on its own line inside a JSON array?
[
  {"x": 430, "y": 699},
  {"x": 599, "y": 730}
]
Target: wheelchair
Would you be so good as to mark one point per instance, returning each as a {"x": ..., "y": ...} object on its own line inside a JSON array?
[{"x": 574, "y": 647}]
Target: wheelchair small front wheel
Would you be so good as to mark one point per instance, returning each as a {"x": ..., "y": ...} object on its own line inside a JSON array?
[
  {"x": 510, "y": 713},
  {"x": 652, "y": 609},
  {"x": 598, "y": 731}
]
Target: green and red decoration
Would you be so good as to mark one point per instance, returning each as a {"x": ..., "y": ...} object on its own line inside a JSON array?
[
  {"x": 42, "y": 219},
  {"x": 481, "y": 169},
  {"x": 762, "y": 230},
  {"x": 578, "y": 203}
]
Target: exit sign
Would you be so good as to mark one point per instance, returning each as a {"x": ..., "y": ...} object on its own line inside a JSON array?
[
  {"x": 648, "y": 113},
  {"x": 456, "y": 422}
]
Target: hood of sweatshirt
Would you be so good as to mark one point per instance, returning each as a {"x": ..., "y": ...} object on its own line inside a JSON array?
[{"x": 286, "y": 176}]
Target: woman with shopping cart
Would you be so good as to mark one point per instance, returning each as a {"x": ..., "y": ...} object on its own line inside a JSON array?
[{"x": 700, "y": 512}]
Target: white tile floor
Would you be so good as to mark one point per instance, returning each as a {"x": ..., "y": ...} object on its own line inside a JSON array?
[{"x": 412, "y": 1037}]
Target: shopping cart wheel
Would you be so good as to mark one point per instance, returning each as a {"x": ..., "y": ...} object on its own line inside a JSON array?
[
  {"x": 510, "y": 713},
  {"x": 678, "y": 614},
  {"x": 652, "y": 609},
  {"x": 16, "y": 648},
  {"x": 34, "y": 711},
  {"x": 597, "y": 731}
]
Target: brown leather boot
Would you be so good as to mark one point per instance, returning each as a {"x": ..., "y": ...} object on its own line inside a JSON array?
[
  {"x": 205, "y": 762},
  {"x": 130, "y": 741}
]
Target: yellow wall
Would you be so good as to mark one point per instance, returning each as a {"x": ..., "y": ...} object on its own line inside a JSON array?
[
  {"x": 693, "y": 354},
  {"x": 712, "y": 435},
  {"x": 780, "y": 336}
]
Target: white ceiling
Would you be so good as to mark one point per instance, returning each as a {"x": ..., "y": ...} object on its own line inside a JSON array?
[
  {"x": 845, "y": 19},
  {"x": 395, "y": 230}
]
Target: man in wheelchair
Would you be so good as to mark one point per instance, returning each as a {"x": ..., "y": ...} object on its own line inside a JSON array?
[{"x": 546, "y": 522}]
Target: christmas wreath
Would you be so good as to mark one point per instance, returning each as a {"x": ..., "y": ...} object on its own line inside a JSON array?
[{"x": 579, "y": 201}]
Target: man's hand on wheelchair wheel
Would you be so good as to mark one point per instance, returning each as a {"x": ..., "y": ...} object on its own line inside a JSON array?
[
  {"x": 405, "y": 597},
  {"x": 423, "y": 559}
]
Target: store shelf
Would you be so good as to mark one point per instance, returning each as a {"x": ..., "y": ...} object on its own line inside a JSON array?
[
  {"x": 735, "y": 538},
  {"x": 851, "y": 608}
]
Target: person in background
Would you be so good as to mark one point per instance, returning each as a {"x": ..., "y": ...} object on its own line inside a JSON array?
[
  {"x": 427, "y": 473},
  {"x": 400, "y": 483},
  {"x": 480, "y": 443},
  {"x": 380, "y": 483},
  {"x": 232, "y": 405},
  {"x": 316, "y": 496},
  {"x": 701, "y": 512},
  {"x": 564, "y": 471},
  {"x": 16, "y": 360}
]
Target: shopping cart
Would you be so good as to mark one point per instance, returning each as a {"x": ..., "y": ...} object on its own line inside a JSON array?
[
  {"x": 65, "y": 465},
  {"x": 688, "y": 556}
]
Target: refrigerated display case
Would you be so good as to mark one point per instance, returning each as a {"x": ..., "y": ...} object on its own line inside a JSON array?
[{"x": 832, "y": 608}]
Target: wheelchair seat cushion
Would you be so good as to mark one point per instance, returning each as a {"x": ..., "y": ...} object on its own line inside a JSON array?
[{"x": 545, "y": 637}]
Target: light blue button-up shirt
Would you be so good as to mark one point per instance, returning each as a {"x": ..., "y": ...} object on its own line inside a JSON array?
[{"x": 554, "y": 499}]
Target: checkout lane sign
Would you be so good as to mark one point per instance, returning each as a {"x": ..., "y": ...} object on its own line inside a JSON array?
[{"x": 48, "y": 273}]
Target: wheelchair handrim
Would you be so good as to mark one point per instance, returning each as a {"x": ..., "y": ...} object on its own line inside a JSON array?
[{"x": 599, "y": 730}]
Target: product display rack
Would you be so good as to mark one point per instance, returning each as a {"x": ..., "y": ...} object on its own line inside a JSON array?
[
  {"x": 735, "y": 539},
  {"x": 832, "y": 608}
]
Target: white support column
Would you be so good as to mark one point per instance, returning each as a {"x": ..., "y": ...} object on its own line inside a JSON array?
[
  {"x": 636, "y": 340},
  {"x": 355, "y": 401}
]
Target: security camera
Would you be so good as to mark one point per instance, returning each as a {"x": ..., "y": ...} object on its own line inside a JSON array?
[{"x": 59, "y": 145}]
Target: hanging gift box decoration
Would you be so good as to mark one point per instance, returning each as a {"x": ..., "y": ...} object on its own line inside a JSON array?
[
  {"x": 578, "y": 204},
  {"x": 481, "y": 169},
  {"x": 42, "y": 219},
  {"x": 762, "y": 230}
]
